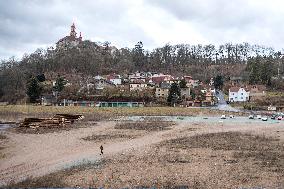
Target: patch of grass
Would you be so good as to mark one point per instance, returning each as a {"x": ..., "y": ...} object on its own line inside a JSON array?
[
  {"x": 145, "y": 125},
  {"x": 273, "y": 94},
  {"x": 54, "y": 180},
  {"x": 3, "y": 137},
  {"x": 223, "y": 141},
  {"x": 108, "y": 112},
  {"x": 108, "y": 137},
  {"x": 265, "y": 151},
  {"x": 2, "y": 155}
]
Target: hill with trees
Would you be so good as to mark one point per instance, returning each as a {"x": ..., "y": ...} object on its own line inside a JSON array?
[{"x": 256, "y": 64}]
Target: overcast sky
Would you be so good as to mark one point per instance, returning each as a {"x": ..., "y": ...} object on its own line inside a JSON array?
[{"x": 30, "y": 24}]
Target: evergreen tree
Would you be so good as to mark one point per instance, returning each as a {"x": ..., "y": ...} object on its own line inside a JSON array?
[
  {"x": 254, "y": 70},
  {"x": 174, "y": 94},
  {"x": 60, "y": 83},
  {"x": 138, "y": 55},
  {"x": 40, "y": 77},
  {"x": 218, "y": 82},
  {"x": 182, "y": 84},
  {"x": 33, "y": 89}
]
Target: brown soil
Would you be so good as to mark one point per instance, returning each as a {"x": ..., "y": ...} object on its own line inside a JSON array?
[
  {"x": 145, "y": 125},
  {"x": 265, "y": 151},
  {"x": 52, "y": 128},
  {"x": 193, "y": 155}
]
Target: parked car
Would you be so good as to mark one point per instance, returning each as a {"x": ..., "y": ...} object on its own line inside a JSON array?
[
  {"x": 251, "y": 116},
  {"x": 223, "y": 117},
  {"x": 258, "y": 116},
  {"x": 280, "y": 117},
  {"x": 264, "y": 118},
  {"x": 274, "y": 116},
  {"x": 232, "y": 116}
]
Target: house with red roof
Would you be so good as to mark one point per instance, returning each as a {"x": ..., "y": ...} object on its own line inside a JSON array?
[{"x": 115, "y": 79}]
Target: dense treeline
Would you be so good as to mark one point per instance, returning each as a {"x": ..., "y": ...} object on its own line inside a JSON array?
[{"x": 89, "y": 58}]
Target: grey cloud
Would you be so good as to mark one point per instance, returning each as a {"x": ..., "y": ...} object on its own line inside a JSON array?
[
  {"x": 28, "y": 24},
  {"x": 219, "y": 13},
  {"x": 222, "y": 21},
  {"x": 31, "y": 23}
]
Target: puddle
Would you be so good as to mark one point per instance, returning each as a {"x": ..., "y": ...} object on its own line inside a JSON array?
[
  {"x": 206, "y": 119},
  {"x": 4, "y": 126}
]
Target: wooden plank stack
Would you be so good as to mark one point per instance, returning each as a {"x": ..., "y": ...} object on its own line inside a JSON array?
[{"x": 58, "y": 120}]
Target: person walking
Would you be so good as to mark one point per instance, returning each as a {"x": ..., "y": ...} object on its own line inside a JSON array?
[{"x": 102, "y": 148}]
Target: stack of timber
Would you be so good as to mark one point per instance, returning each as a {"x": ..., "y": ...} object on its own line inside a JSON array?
[{"x": 58, "y": 120}]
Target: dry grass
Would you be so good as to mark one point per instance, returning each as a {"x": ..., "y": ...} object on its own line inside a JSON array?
[
  {"x": 54, "y": 180},
  {"x": 98, "y": 138},
  {"x": 3, "y": 137},
  {"x": 267, "y": 152},
  {"x": 106, "y": 112},
  {"x": 145, "y": 125},
  {"x": 202, "y": 161}
]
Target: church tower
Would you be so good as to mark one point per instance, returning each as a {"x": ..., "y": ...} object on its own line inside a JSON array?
[
  {"x": 73, "y": 32},
  {"x": 80, "y": 38}
]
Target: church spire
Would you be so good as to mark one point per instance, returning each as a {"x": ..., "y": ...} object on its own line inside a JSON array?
[
  {"x": 80, "y": 38},
  {"x": 73, "y": 32}
]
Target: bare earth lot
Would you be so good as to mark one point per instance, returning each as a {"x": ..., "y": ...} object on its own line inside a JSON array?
[{"x": 149, "y": 153}]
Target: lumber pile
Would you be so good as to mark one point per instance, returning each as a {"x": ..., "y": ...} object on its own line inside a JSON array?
[{"x": 58, "y": 120}]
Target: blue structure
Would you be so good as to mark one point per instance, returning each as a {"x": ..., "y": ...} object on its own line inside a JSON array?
[{"x": 119, "y": 104}]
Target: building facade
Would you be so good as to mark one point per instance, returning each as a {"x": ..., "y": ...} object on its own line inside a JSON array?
[
  {"x": 70, "y": 41},
  {"x": 238, "y": 94}
]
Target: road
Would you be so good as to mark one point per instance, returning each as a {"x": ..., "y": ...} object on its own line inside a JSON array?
[{"x": 222, "y": 104}]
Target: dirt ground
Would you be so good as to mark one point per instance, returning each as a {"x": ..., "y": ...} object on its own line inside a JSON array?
[{"x": 151, "y": 153}]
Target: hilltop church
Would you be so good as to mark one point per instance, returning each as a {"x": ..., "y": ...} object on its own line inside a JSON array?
[{"x": 70, "y": 41}]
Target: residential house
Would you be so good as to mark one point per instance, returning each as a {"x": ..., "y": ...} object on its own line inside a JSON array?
[
  {"x": 115, "y": 79},
  {"x": 190, "y": 82},
  {"x": 100, "y": 83},
  {"x": 163, "y": 90},
  {"x": 161, "y": 78},
  {"x": 137, "y": 76},
  {"x": 238, "y": 94},
  {"x": 137, "y": 85},
  {"x": 185, "y": 93},
  {"x": 209, "y": 98},
  {"x": 48, "y": 100}
]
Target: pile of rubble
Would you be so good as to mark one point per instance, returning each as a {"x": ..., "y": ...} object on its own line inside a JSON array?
[{"x": 58, "y": 120}]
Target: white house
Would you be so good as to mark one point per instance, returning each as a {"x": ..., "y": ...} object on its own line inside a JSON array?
[
  {"x": 115, "y": 79},
  {"x": 238, "y": 94},
  {"x": 137, "y": 85}
]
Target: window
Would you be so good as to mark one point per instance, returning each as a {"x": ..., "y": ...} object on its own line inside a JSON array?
[
  {"x": 130, "y": 86},
  {"x": 242, "y": 93},
  {"x": 236, "y": 97},
  {"x": 242, "y": 98}
]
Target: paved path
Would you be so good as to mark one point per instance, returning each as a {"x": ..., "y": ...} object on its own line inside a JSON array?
[{"x": 222, "y": 104}]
